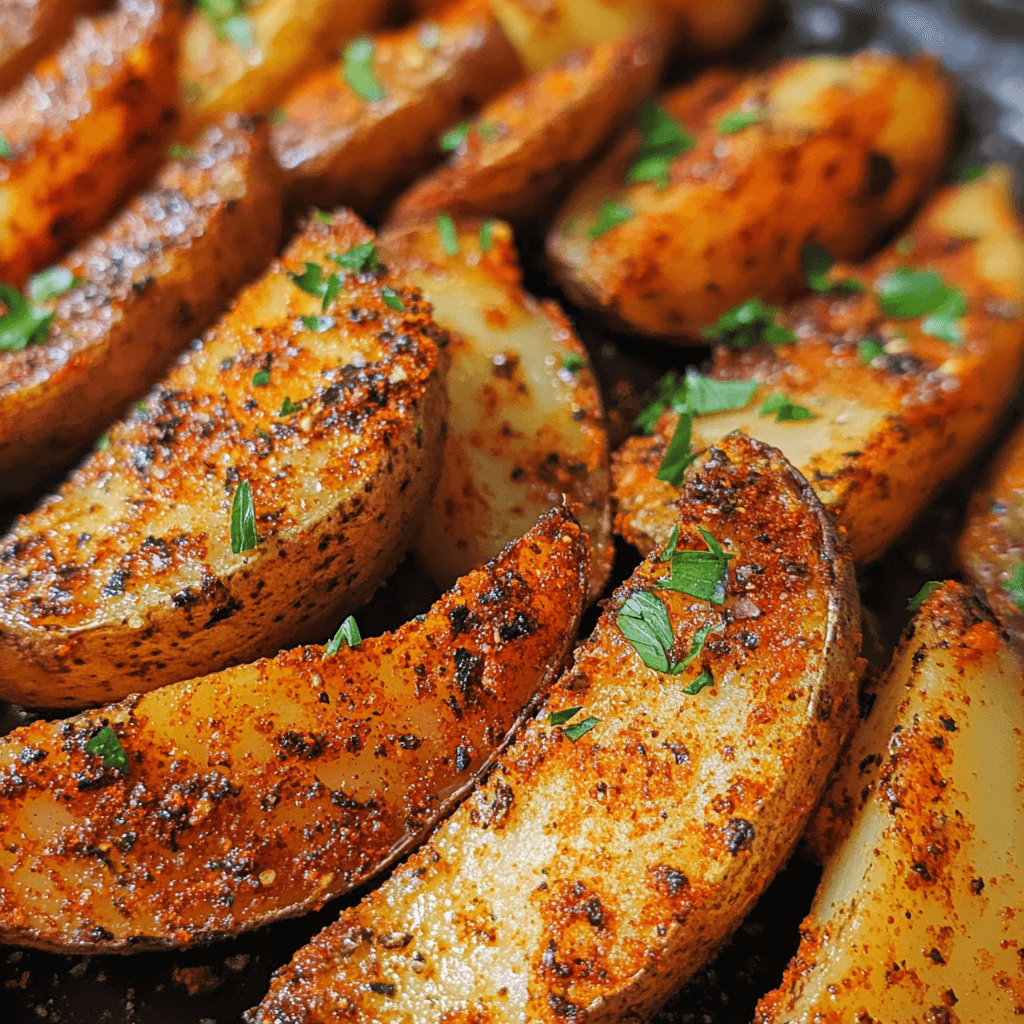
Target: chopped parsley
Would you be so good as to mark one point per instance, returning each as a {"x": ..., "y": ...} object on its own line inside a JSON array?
[
  {"x": 679, "y": 454},
  {"x": 22, "y": 324},
  {"x": 486, "y": 235},
  {"x": 575, "y": 731},
  {"x": 106, "y": 744},
  {"x": 227, "y": 17},
  {"x": 699, "y": 394},
  {"x": 289, "y": 408},
  {"x": 103, "y": 442},
  {"x": 610, "y": 215},
  {"x": 448, "y": 235},
  {"x": 906, "y": 294},
  {"x": 317, "y": 324},
  {"x": 573, "y": 363},
  {"x": 1014, "y": 587},
  {"x": 644, "y": 622},
  {"x": 702, "y": 682},
  {"x": 914, "y": 604},
  {"x": 737, "y": 120},
  {"x": 179, "y": 151},
  {"x": 817, "y": 262},
  {"x": 869, "y": 349},
  {"x": 392, "y": 298},
  {"x": 663, "y": 139},
  {"x": 561, "y": 717},
  {"x": 785, "y": 411},
  {"x": 359, "y": 258},
  {"x": 348, "y": 633},
  {"x": 243, "y": 520},
  {"x": 454, "y": 137},
  {"x": 5, "y": 147},
  {"x": 261, "y": 379},
  {"x": 969, "y": 172},
  {"x": 313, "y": 282},
  {"x": 747, "y": 324},
  {"x": 51, "y": 283},
  {"x": 277, "y": 116},
  {"x": 323, "y": 217},
  {"x": 359, "y": 71},
  {"x": 700, "y": 574}
]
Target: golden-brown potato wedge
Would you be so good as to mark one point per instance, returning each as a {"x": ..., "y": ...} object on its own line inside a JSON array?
[
  {"x": 893, "y": 421},
  {"x": 318, "y": 438},
  {"x": 991, "y": 546},
  {"x": 707, "y": 27},
  {"x": 336, "y": 146},
  {"x": 523, "y": 147},
  {"x": 289, "y": 39},
  {"x": 525, "y": 424},
  {"x": 86, "y": 127},
  {"x": 29, "y": 28},
  {"x": 147, "y": 284},
  {"x": 917, "y": 918},
  {"x": 836, "y": 150},
  {"x": 213, "y": 779},
  {"x": 592, "y": 873}
]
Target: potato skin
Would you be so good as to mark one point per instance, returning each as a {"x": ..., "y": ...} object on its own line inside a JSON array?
[
  {"x": 626, "y": 858},
  {"x": 374, "y": 743},
  {"x": 337, "y": 147},
  {"x": 90, "y": 124},
  {"x": 845, "y": 148},
  {"x": 124, "y": 580},
  {"x": 150, "y": 281},
  {"x": 29, "y": 28},
  {"x": 888, "y": 435},
  {"x": 537, "y": 135}
]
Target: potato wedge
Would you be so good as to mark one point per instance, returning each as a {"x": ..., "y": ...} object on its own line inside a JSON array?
[
  {"x": 896, "y": 412},
  {"x": 523, "y": 147},
  {"x": 307, "y": 446},
  {"x": 991, "y": 546},
  {"x": 835, "y": 150},
  {"x": 90, "y": 124},
  {"x": 217, "y": 776},
  {"x": 30, "y": 28},
  {"x": 704, "y": 27},
  {"x": 917, "y": 918},
  {"x": 147, "y": 284},
  {"x": 336, "y": 146},
  {"x": 280, "y": 42},
  {"x": 586, "y": 879},
  {"x": 525, "y": 424}
]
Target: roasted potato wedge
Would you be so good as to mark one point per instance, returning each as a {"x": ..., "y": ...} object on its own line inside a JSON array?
[
  {"x": 834, "y": 150},
  {"x": 307, "y": 446},
  {"x": 918, "y": 914},
  {"x": 523, "y": 147},
  {"x": 216, "y": 776},
  {"x": 896, "y": 412},
  {"x": 29, "y": 28},
  {"x": 991, "y": 546},
  {"x": 525, "y": 424},
  {"x": 336, "y": 146},
  {"x": 712, "y": 27},
  {"x": 592, "y": 873},
  {"x": 287, "y": 39},
  {"x": 86, "y": 127},
  {"x": 140, "y": 290}
]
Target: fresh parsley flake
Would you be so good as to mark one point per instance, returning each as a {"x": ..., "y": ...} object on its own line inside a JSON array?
[
  {"x": 103, "y": 442},
  {"x": 51, "y": 283},
  {"x": 869, "y": 349},
  {"x": 572, "y": 362},
  {"x": 289, "y": 408},
  {"x": 700, "y": 574},
  {"x": 747, "y": 324},
  {"x": 644, "y": 622},
  {"x": 1014, "y": 587},
  {"x": 310, "y": 280},
  {"x": 670, "y": 547},
  {"x": 702, "y": 682},
  {"x": 663, "y": 139},
  {"x": 22, "y": 324},
  {"x": 679, "y": 454},
  {"x": 454, "y": 137},
  {"x": 817, "y": 262},
  {"x": 696, "y": 393},
  {"x": 785, "y": 411},
  {"x": 348, "y": 633},
  {"x": 448, "y": 235},
  {"x": 323, "y": 216},
  {"x": 392, "y": 298},
  {"x": 486, "y": 235},
  {"x": 179, "y": 151},
  {"x": 561, "y": 717},
  {"x": 261, "y": 379},
  {"x": 737, "y": 120},
  {"x": 277, "y": 116},
  {"x": 106, "y": 744},
  {"x": 610, "y": 215},
  {"x": 359, "y": 70},
  {"x": 914, "y": 604},
  {"x": 317, "y": 324},
  {"x": 5, "y": 147},
  {"x": 243, "y": 520},
  {"x": 359, "y": 258},
  {"x": 574, "y": 732},
  {"x": 971, "y": 172},
  {"x": 228, "y": 20},
  {"x": 906, "y": 294}
]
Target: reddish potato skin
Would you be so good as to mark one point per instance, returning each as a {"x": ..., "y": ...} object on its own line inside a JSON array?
[
  {"x": 85, "y": 130},
  {"x": 149, "y": 282}
]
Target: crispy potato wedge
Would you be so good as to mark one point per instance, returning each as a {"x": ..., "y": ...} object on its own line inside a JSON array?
[
  {"x": 837, "y": 150},
  {"x": 887, "y": 433},
  {"x": 152, "y": 279},
  {"x": 335, "y": 146},
  {"x": 991, "y": 546},
  {"x": 127, "y": 578},
  {"x": 290, "y": 39},
  {"x": 706, "y": 27},
  {"x": 30, "y": 28},
  {"x": 374, "y": 744},
  {"x": 86, "y": 127},
  {"x": 524, "y": 147},
  {"x": 917, "y": 918},
  {"x": 525, "y": 424},
  {"x": 587, "y": 879}
]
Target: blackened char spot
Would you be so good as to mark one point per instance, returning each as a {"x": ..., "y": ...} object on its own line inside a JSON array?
[
  {"x": 114, "y": 587},
  {"x": 738, "y": 834},
  {"x": 561, "y": 1007},
  {"x": 517, "y": 628},
  {"x": 225, "y": 611},
  {"x": 459, "y": 617},
  {"x": 468, "y": 669},
  {"x": 879, "y": 174}
]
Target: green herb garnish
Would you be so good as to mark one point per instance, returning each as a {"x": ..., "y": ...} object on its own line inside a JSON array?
[
  {"x": 817, "y": 262},
  {"x": 971, "y": 172},
  {"x": 785, "y": 411},
  {"x": 392, "y": 298},
  {"x": 323, "y": 217},
  {"x": 486, "y": 235},
  {"x": 907, "y": 294},
  {"x": 348, "y": 633},
  {"x": 289, "y": 408},
  {"x": 179, "y": 151},
  {"x": 670, "y": 547},
  {"x": 317, "y": 324},
  {"x": 106, "y": 744},
  {"x": 702, "y": 682},
  {"x": 359, "y": 70},
  {"x": 5, "y": 148},
  {"x": 227, "y": 17},
  {"x": 572, "y": 362},
  {"x": 310, "y": 280},
  {"x": 748, "y": 323},
  {"x": 574, "y": 732},
  {"x": 663, "y": 139},
  {"x": 1014, "y": 587},
  {"x": 454, "y": 137},
  {"x": 359, "y": 258},
  {"x": 561, "y": 717},
  {"x": 51, "y": 283},
  {"x": 243, "y": 520},
  {"x": 699, "y": 394},
  {"x": 277, "y": 116},
  {"x": 914, "y": 604},
  {"x": 644, "y": 622},
  {"x": 700, "y": 574},
  {"x": 103, "y": 442},
  {"x": 261, "y": 379},
  {"x": 869, "y": 350},
  {"x": 490, "y": 131},
  {"x": 679, "y": 453},
  {"x": 610, "y": 215},
  {"x": 737, "y": 120},
  {"x": 448, "y": 235},
  {"x": 23, "y": 324}
]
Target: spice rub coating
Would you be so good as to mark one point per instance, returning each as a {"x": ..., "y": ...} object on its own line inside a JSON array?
[
  {"x": 125, "y": 579},
  {"x": 144, "y": 286},
  {"x": 588, "y": 879},
  {"x": 29, "y": 28}
]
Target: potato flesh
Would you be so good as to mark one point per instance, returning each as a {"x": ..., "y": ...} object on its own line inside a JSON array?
[
  {"x": 227, "y": 772},
  {"x": 914, "y": 920},
  {"x": 888, "y": 435},
  {"x": 522, "y": 429},
  {"x": 125, "y": 580},
  {"x": 86, "y": 127},
  {"x": 837, "y": 157},
  {"x": 150, "y": 281},
  {"x": 28, "y": 29},
  {"x": 626, "y": 858}
]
